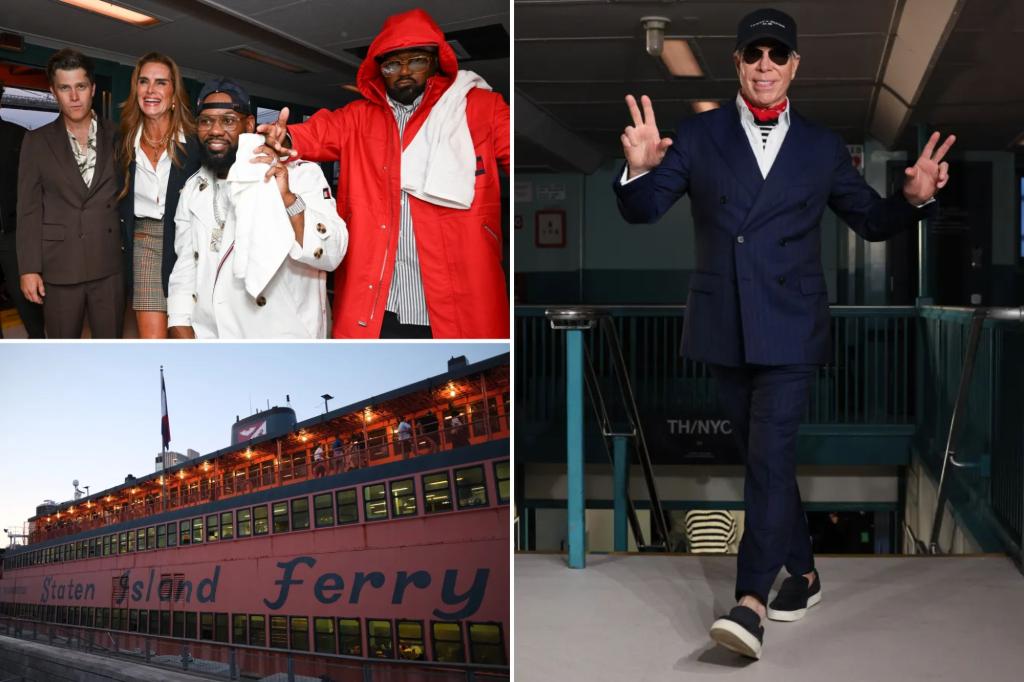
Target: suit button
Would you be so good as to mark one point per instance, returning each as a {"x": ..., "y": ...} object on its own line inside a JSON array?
[
  {"x": 739, "y": 239},
  {"x": 723, "y": 199},
  {"x": 320, "y": 228},
  {"x": 195, "y": 255},
  {"x": 261, "y": 300},
  {"x": 195, "y": 297},
  {"x": 318, "y": 253},
  {"x": 782, "y": 280}
]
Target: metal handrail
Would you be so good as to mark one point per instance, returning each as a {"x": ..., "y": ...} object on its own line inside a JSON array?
[{"x": 978, "y": 317}]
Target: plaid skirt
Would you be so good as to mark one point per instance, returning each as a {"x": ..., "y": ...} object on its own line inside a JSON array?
[{"x": 147, "y": 260}]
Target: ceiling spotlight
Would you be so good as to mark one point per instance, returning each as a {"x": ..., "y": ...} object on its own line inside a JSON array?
[{"x": 654, "y": 28}]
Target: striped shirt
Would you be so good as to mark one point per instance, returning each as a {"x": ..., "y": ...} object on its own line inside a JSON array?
[
  {"x": 710, "y": 531},
  {"x": 765, "y": 141},
  {"x": 405, "y": 297}
]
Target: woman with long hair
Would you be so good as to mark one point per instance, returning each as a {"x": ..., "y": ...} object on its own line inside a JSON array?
[{"x": 157, "y": 152}]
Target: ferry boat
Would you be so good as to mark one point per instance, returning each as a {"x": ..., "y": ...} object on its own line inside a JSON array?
[{"x": 377, "y": 531}]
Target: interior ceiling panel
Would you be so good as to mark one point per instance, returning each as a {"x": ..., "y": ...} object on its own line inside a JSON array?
[
  {"x": 313, "y": 34},
  {"x": 577, "y": 59}
]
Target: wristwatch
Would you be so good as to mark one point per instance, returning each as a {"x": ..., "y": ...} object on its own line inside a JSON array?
[{"x": 297, "y": 207}]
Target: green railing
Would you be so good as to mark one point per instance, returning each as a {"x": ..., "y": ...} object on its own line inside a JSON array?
[{"x": 869, "y": 381}]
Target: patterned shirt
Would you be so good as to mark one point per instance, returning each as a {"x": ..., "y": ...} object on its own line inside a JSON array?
[
  {"x": 406, "y": 295},
  {"x": 85, "y": 158}
]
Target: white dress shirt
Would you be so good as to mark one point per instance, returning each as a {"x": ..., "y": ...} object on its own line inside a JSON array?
[{"x": 151, "y": 183}]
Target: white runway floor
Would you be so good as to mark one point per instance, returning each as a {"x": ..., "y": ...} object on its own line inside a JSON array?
[{"x": 644, "y": 618}]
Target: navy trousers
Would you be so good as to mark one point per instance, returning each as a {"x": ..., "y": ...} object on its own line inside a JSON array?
[{"x": 765, "y": 405}]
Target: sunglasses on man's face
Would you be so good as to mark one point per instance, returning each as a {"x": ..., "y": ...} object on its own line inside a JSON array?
[{"x": 779, "y": 54}]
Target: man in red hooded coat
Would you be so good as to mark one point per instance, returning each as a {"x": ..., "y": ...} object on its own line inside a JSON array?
[{"x": 418, "y": 189}]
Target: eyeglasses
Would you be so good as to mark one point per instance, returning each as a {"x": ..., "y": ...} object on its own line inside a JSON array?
[
  {"x": 415, "y": 64},
  {"x": 228, "y": 123},
  {"x": 779, "y": 55}
]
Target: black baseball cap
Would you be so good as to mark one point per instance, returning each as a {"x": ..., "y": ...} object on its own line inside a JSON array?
[
  {"x": 238, "y": 94},
  {"x": 766, "y": 23}
]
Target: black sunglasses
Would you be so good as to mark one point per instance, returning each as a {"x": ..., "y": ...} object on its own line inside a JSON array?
[{"x": 779, "y": 54}]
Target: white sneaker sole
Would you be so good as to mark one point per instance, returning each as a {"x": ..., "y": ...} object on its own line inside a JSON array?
[
  {"x": 790, "y": 616},
  {"x": 735, "y": 637}
]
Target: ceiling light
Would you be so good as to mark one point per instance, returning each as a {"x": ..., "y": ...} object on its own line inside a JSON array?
[
  {"x": 680, "y": 59},
  {"x": 109, "y": 9},
  {"x": 249, "y": 53},
  {"x": 654, "y": 28}
]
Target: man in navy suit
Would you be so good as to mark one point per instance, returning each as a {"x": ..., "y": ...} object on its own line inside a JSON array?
[{"x": 759, "y": 177}]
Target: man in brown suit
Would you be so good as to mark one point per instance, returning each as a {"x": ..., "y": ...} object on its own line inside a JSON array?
[{"x": 69, "y": 241}]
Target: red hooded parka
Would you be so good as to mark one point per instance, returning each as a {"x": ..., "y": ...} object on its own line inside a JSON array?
[{"x": 459, "y": 251}]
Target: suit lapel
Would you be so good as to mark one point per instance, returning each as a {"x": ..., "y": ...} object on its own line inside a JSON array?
[
  {"x": 60, "y": 145},
  {"x": 731, "y": 140},
  {"x": 784, "y": 170},
  {"x": 201, "y": 205}
]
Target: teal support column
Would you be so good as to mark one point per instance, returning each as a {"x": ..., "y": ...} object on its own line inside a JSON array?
[
  {"x": 574, "y": 449},
  {"x": 621, "y": 449}
]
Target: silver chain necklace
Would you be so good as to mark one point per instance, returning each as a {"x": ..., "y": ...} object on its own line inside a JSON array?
[{"x": 219, "y": 214}]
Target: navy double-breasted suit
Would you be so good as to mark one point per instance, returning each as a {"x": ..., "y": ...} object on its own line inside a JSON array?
[
  {"x": 758, "y": 293},
  {"x": 757, "y": 310}
]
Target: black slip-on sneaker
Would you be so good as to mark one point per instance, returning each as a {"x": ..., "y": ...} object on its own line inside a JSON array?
[
  {"x": 740, "y": 631},
  {"x": 794, "y": 598}
]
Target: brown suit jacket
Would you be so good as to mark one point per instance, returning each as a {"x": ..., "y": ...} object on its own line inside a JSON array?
[{"x": 67, "y": 232}]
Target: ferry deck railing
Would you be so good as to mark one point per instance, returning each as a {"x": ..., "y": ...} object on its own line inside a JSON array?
[
  {"x": 350, "y": 457},
  {"x": 236, "y": 661}
]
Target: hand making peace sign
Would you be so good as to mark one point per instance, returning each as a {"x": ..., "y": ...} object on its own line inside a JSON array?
[
  {"x": 930, "y": 173},
  {"x": 642, "y": 144}
]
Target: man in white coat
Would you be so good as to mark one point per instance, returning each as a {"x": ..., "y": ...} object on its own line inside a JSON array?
[{"x": 252, "y": 255}]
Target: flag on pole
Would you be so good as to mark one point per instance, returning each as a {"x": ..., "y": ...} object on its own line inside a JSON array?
[{"x": 165, "y": 423}]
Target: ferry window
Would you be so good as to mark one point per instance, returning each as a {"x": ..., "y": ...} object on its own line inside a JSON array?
[
  {"x": 197, "y": 530},
  {"x": 437, "y": 493},
  {"x": 485, "y": 643},
  {"x": 186, "y": 532},
  {"x": 300, "y": 513},
  {"x": 323, "y": 510},
  {"x": 133, "y": 620},
  {"x": 161, "y": 537},
  {"x": 378, "y": 633},
  {"x": 72, "y": 614},
  {"x": 102, "y": 617},
  {"x": 154, "y": 622},
  {"x": 377, "y": 443},
  {"x": 227, "y": 526},
  {"x": 257, "y": 630},
  {"x": 212, "y": 528},
  {"x": 448, "y": 647},
  {"x": 205, "y": 626},
  {"x": 323, "y": 635},
  {"x": 410, "y": 640},
  {"x": 151, "y": 537},
  {"x": 469, "y": 484},
  {"x": 507, "y": 410},
  {"x": 165, "y": 623},
  {"x": 279, "y": 632},
  {"x": 239, "y": 628},
  {"x": 179, "y": 624},
  {"x": 190, "y": 624},
  {"x": 244, "y": 523},
  {"x": 221, "y": 631},
  {"x": 299, "y": 626},
  {"x": 260, "y": 526},
  {"x": 106, "y": 545},
  {"x": 93, "y": 547},
  {"x": 88, "y": 616},
  {"x": 501, "y": 477},
  {"x": 140, "y": 535},
  {"x": 143, "y": 620},
  {"x": 172, "y": 534},
  {"x": 375, "y": 504},
  {"x": 131, "y": 542},
  {"x": 62, "y": 616},
  {"x": 403, "y": 498},
  {"x": 348, "y": 510},
  {"x": 280, "y": 517}
]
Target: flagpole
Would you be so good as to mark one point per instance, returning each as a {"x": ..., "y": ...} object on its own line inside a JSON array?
[{"x": 163, "y": 440}]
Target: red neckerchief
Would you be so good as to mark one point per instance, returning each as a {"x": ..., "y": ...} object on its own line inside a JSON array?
[{"x": 761, "y": 114}]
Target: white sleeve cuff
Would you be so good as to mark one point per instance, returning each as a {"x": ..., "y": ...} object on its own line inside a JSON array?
[{"x": 625, "y": 180}]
